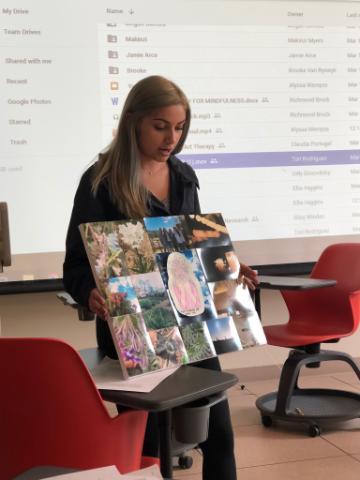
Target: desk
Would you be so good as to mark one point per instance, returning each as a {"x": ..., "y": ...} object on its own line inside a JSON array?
[
  {"x": 293, "y": 283},
  {"x": 38, "y": 473},
  {"x": 185, "y": 385},
  {"x": 271, "y": 282}
]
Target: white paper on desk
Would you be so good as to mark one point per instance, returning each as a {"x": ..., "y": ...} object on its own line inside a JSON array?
[
  {"x": 107, "y": 376},
  {"x": 104, "y": 473},
  {"x": 150, "y": 473}
]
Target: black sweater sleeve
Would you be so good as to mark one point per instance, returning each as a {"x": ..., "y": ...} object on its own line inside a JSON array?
[{"x": 77, "y": 274}]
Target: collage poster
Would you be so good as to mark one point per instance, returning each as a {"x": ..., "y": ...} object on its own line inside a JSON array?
[{"x": 170, "y": 286}]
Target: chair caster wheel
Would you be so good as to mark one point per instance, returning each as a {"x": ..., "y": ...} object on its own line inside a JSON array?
[
  {"x": 185, "y": 462},
  {"x": 266, "y": 421},
  {"x": 314, "y": 431}
]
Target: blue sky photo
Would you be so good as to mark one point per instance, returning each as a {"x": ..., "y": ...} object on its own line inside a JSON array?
[{"x": 155, "y": 223}]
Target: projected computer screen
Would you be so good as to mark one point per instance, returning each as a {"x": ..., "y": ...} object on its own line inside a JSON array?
[{"x": 274, "y": 88}]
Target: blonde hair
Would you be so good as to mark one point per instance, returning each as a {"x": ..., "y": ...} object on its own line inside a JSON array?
[{"x": 120, "y": 164}]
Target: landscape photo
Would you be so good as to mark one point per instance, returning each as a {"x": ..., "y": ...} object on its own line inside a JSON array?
[
  {"x": 224, "y": 335},
  {"x": 154, "y": 301},
  {"x": 166, "y": 233}
]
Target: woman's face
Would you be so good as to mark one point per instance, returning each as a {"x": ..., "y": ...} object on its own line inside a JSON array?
[{"x": 160, "y": 131}]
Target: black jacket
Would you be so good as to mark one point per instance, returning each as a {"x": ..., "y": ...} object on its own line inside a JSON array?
[{"x": 77, "y": 274}]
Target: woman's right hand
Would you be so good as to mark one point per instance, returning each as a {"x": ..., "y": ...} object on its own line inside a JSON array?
[
  {"x": 248, "y": 276},
  {"x": 97, "y": 304}
]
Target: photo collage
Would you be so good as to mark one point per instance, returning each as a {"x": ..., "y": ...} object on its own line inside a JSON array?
[{"x": 170, "y": 286}]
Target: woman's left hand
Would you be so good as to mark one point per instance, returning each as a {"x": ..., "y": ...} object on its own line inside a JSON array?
[{"x": 248, "y": 276}]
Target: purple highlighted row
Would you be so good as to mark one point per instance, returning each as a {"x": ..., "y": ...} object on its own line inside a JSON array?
[{"x": 271, "y": 159}]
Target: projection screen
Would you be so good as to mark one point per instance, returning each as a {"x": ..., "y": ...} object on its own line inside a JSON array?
[{"x": 274, "y": 88}]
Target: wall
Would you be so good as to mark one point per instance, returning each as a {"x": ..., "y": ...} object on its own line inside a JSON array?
[{"x": 42, "y": 314}]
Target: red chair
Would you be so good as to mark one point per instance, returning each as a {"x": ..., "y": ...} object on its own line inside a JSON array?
[
  {"x": 52, "y": 414},
  {"x": 317, "y": 316}
]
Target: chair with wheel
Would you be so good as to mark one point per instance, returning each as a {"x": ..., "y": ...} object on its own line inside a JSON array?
[
  {"x": 51, "y": 413},
  {"x": 323, "y": 315},
  {"x": 179, "y": 449}
]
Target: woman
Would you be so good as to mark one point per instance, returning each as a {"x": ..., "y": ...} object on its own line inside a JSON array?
[{"x": 138, "y": 176}]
